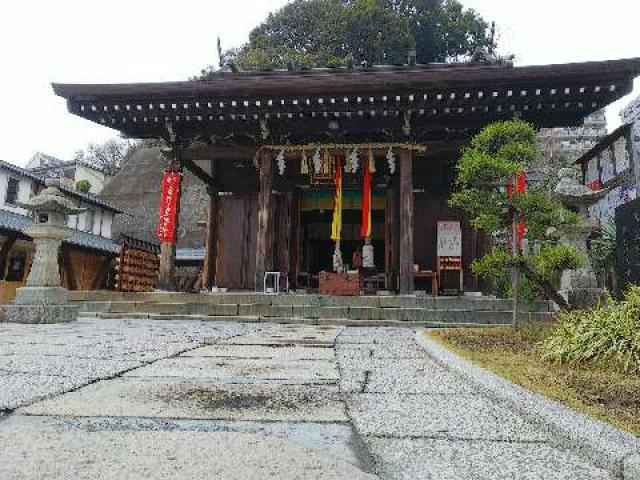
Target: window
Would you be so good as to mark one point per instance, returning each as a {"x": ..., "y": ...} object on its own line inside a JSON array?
[
  {"x": 16, "y": 266},
  {"x": 11, "y": 196},
  {"x": 89, "y": 220}
]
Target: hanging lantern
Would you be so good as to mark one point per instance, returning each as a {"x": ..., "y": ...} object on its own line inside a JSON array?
[
  {"x": 281, "y": 162},
  {"x": 304, "y": 166},
  {"x": 317, "y": 162},
  {"x": 391, "y": 159}
]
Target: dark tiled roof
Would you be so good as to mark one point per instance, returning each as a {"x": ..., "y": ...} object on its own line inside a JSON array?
[
  {"x": 86, "y": 197},
  {"x": 19, "y": 223}
]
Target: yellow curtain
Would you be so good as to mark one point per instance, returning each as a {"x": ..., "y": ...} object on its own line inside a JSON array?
[{"x": 336, "y": 226}]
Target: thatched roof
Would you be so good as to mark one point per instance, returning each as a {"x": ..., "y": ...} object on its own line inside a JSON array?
[{"x": 136, "y": 188}]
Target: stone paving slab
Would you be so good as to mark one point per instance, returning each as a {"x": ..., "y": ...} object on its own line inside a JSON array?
[
  {"x": 131, "y": 398},
  {"x": 408, "y": 376},
  {"x": 58, "y": 358},
  {"x": 65, "y": 366},
  {"x": 39, "y": 452},
  {"x": 447, "y": 416},
  {"x": 20, "y": 389},
  {"x": 430, "y": 459},
  {"x": 261, "y": 369},
  {"x": 338, "y": 440},
  {"x": 263, "y": 351},
  {"x": 375, "y": 334},
  {"x": 298, "y": 335}
]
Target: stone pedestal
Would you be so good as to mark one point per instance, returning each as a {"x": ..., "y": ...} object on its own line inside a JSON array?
[
  {"x": 40, "y": 305},
  {"x": 580, "y": 286},
  {"x": 43, "y": 300}
]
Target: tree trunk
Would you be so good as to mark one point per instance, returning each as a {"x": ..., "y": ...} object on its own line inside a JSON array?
[{"x": 545, "y": 287}]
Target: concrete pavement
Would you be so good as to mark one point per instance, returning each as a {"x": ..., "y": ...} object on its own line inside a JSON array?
[{"x": 225, "y": 400}]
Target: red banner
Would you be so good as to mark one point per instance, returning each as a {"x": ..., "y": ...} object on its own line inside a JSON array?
[
  {"x": 169, "y": 207},
  {"x": 521, "y": 229},
  {"x": 365, "y": 227}
]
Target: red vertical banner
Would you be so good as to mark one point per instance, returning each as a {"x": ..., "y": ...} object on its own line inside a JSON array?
[
  {"x": 521, "y": 229},
  {"x": 511, "y": 230},
  {"x": 169, "y": 202},
  {"x": 365, "y": 228}
]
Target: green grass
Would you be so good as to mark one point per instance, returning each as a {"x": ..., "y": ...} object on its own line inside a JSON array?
[{"x": 603, "y": 393}]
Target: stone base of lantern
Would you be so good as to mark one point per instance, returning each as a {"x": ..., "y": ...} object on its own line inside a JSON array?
[
  {"x": 583, "y": 297},
  {"x": 40, "y": 305}
]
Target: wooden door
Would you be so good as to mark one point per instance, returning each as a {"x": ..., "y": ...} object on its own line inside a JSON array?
[{"x": 236, "y": 244}]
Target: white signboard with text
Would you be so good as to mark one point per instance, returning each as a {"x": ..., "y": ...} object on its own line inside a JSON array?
[{"x": 449, "y": 239}]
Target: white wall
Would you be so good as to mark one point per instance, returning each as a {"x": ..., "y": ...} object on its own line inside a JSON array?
[
  {"x": 24, "y": 190},
  {"x": 102, "y": 219},
  {"x": 107, "y": 221},
  {"x": 95, "y": 178}
]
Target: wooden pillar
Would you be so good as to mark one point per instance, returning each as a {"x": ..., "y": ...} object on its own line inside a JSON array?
[
  {"x": 264, "y": 216},
  {"x": 210, "y": 241},
  {"x": 294, "y": 257},
  {"x": 392, "y": 234},
  {"x": 167, "y": 269},
  {"x": 406, "y": 222}
]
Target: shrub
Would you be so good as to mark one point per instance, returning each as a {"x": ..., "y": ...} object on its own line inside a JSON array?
[
  {"x": 607, "y": 335},
  {"x": 83, "y": 186}
]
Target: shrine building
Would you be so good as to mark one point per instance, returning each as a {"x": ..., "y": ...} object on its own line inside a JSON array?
[{"x": 346, "y": 169}]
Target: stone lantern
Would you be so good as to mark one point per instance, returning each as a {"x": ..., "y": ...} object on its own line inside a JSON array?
[
  {"x": 43, "y": 299},
  {"x": 578, "y": 286}
]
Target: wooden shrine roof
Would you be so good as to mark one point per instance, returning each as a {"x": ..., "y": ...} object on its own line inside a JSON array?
[{"x": 351, "y": 103}]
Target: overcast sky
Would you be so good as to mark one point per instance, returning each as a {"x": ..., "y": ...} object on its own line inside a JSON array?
[{"x": 143, "y": 40}]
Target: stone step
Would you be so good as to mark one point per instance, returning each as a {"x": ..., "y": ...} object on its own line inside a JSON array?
[
  {"x": 301, "y": 320},
  {"x": 311, "y": 312},
  {"x": 95, "y": 300}
]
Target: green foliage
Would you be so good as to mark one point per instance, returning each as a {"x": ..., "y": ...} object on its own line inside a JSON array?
[
  {"x": 555, "y": 258},
  {"x": 442, "y": 29},
  {"x": 498, "y": 135},
  {"x": 494, "y": 266},
  {"x": 543, "y": 213},
  {"x": 326, "y": 33},
  {"x": 496, "y": 154},
  {"x": 607, "y": 335},
  {"x": 83, "y": 186},
  {"x": 603, "y": 249},
  {"x": 478, "y": 168}
]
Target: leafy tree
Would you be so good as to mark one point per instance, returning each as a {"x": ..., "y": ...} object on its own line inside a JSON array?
[
  {"x": 321, "y": 33},
  {"x": 443, "y": 29},
  {"x": 603, "y": 253},
  {"x": 83, "y": 186},
  {"x": 498, "y": 153},
  {"x": 108, "y": 156}
]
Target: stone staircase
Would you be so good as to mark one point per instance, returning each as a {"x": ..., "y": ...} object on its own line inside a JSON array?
[{"x": 308, "y": 308}]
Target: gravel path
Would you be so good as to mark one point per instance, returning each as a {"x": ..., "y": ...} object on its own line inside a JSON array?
[{"x": 185, "y": 400}]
